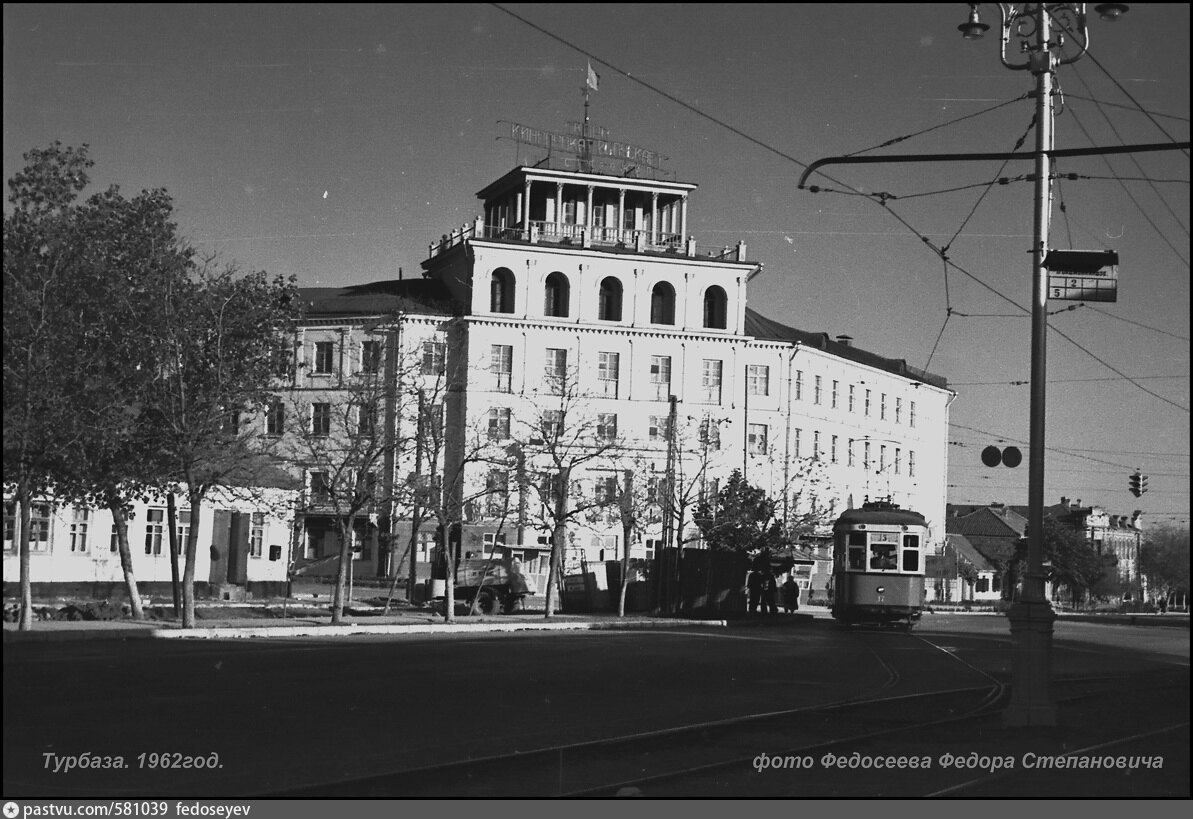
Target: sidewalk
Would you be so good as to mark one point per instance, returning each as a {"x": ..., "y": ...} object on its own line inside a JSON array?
[{"x": 306, "y": 623}]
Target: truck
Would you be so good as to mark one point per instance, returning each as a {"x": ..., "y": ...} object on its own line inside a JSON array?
[{"x": 497, "y": 585}]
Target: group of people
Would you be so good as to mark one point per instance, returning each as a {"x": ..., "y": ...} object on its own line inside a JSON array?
[{"x": 762, "y": 588}]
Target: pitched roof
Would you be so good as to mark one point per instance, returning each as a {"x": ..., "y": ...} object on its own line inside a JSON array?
[
  {"x": 767, "y": 329},
  {"x": 377, "y": 298},
  {"x": 971, "y": 553}
]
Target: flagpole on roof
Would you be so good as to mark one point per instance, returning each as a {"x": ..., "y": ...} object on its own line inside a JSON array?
[{"x": 591, "y": 83}]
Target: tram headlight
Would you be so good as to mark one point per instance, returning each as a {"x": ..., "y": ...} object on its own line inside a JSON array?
[{"x": 880, "y": 589}]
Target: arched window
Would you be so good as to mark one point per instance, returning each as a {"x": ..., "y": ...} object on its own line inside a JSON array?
[
  {"x": 662, "y": 304},
  {"x": 501, "y": 291},
  {"x": 556, "y": 295},
  {"x": 715, "y": 307},
  {"x": 609, "y": 308}
]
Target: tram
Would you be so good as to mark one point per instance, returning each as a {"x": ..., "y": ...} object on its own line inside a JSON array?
[{"x": 878, "y": 565}]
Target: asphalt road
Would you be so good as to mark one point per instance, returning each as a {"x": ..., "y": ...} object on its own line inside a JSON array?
[{"x": 268, "y": 716}]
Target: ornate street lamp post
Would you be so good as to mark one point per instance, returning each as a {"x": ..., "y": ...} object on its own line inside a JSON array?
[{"x": 1039, "y": 31}]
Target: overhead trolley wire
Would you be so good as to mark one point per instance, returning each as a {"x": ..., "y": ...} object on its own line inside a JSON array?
[{"x": 881, "y": 199}]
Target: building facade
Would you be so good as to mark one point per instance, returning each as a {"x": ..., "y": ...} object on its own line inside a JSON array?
[
  {"x": 244, "y": 546},
  {"x": 576, "y": 308}
]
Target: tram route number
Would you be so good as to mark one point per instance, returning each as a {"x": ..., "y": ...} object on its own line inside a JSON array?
[{"x": 1084, "y": 287}]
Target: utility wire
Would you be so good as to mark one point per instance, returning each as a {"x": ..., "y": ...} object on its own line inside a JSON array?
[
  {"x": 1129, "y": 108},
  {"x": 1136, "y": 323},
  {"x": 879, "y": 199},
  {"x": 1133, "y": 160},
  {"x": 897, "y": 140}
]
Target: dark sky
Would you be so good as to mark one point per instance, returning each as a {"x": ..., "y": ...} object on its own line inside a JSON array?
[{"x": 335, "y": 142}]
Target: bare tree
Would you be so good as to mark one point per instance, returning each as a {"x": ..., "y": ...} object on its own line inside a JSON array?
[
  {"x": 563, "y": 438},
  {"x": 632, "y": 504}
]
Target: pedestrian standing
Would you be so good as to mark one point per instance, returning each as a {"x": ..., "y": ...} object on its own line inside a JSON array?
[
  {"x": 770, "y": 600},
  {"x": 754, "y": 590},
  {"x": 790, "y": 595}
]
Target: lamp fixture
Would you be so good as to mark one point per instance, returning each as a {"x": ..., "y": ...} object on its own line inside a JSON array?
[
  {"x": 1110, "y": 12},
  {"x": 975, "y": 28}
]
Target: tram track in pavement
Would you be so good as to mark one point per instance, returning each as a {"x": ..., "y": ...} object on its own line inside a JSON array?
[{"x": 633, "y": 760}]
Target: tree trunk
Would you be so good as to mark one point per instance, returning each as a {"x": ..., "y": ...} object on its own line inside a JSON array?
[
  {"x": 126, "y": 559},
  {"x": 627, "y": 530},
  {"x": 557, "y": 538},
  {"x": 337, "y": 602},
  {"x": 192, "y": 551},
  {"x": 26, "y": 621},
  {"x": 449, "y": 582},
  {"x": 175, "y": 582}
]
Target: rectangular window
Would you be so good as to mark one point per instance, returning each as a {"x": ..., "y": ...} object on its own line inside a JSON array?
[
  {"x": 710, "y": 381},
  {"x": 154, "y": 529},
  {"x": 852, "y": 397},
  {"x": 833, "y": 450},
  {"x": 606, "y": 489},
  {"x": 898, "y": 460},
  {"x": 898, "y": 410},
  {"x": 911, "y": 414},
  {"x": 78, "y": 530},
  {"x": 756, "y": 436},
  {"x": 606, "y": 426},
  {"x": 324, "y": 357},
  {"x": 849, "y": 453},
  {"x": 501, "y": 364},
  {"x": 320, "y": 488},
  {"x": 911, "y": 463},
  {"x": 114, "y": 540},
  {"x": 882, "y": 458},
  {"x": 882, "y": 408},
  {"x": 552, "y": 424},
  {"x": 39, "y": 520},
  {"x": 370, "y": 357},
  {"x": 866, "y": 456},
  {"x": 658, "y": 427},
  {"x": 555, "y": 369},
  {"x": 257, "y": 535},
  {"x": 499, "y": 424},
  {"x": 836, "y": 393},
  {"x": 434, "y": 357},
  {"x": 608, "y": 370},
  {"x": 232, "y": 422},
  {"x": 867, "y": 403},
  {"x": 710, "y": 434},
  {"x": 275, "y": 418},
  {"x": 758, "y": 379},
  {"x": 816, "y": 445},
  {"x": 816, "y": 391},
  {"x": 367, "y": 419},
  {"x": 497, "y": 493},
  {"x": 799, "y": 385},
  {"x": 796, "y": 438},
  {"x": 182, "y": 519},
  {"x": 320, "y": 419},
  {"x": 660, "y": 376}
]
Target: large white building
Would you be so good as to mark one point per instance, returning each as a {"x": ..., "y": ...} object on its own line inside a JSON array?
[{"x": 587, "y": 284}]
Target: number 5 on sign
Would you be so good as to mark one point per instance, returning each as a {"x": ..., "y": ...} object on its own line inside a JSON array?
[{"x": 1082, "y": 275}]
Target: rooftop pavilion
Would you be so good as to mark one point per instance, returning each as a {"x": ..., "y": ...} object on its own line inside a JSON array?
[{"x": 544, "y": 205}]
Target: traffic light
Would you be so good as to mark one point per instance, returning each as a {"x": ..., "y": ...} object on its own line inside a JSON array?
[
  {"x": 1136, "y": 482},
  {"x": 1142, "y": 484}
]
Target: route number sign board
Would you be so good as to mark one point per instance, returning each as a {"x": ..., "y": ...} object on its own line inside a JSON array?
[{"x": 1082, "y": 275}]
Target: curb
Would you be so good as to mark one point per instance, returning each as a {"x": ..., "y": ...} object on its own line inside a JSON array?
[{"x": 327, "y": 630}]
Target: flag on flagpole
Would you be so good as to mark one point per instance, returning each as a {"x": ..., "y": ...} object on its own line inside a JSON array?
[{"x": 594, "y": 79}]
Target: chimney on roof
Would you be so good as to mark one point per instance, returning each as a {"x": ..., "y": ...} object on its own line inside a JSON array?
[
  {"x": 1064, "y": 501},
  {"x": 845, "y": 341}
]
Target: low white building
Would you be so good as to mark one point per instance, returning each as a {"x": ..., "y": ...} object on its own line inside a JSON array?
[{"x": 244, "y": 546}]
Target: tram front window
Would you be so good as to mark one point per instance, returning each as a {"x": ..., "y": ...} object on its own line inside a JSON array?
[
  {"x": 856, "y": 559},
  {"x": 882, "y": 556}
]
